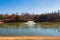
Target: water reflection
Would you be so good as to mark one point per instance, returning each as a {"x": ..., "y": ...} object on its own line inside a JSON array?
[
  {"x": 38, "y": 28},
  {"x": 26, "y": 26},
  {"x": 52, "y": 26}
]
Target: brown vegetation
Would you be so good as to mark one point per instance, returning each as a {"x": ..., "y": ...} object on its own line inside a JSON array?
[
  {"x": 30, "y": 38},
  {"x": 50, "y": 17}
]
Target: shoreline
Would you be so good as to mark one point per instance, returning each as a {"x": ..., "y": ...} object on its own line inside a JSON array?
[
  {"x": 30, "y": 38},
  {"x": 2, "y": 22}
]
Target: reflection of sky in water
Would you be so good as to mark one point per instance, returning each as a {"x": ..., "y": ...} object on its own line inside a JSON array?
[{"x": 38, "y": 29}]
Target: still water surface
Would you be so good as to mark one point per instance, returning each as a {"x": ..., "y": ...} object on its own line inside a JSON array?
[{"x": 38, "y": 29}]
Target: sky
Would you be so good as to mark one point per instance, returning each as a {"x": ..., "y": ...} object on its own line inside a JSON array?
[{"x": 30, "y": 6}]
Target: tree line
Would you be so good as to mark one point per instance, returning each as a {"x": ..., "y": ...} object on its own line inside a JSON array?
[{"x": 49, "y": 17}]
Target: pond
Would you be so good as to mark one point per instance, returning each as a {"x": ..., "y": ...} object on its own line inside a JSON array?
[{"x": 38, "y": 29}]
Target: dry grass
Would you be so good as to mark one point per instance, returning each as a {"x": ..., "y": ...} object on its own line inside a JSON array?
[{"x": 29, "y": 38}]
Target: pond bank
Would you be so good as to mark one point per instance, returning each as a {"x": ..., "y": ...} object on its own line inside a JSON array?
[
  {"x": 1, "y": 21},
  {"x": 29, "y": 38}
]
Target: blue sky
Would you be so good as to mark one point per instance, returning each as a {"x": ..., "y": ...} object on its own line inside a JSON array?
[{"x": 31, "y": 6}]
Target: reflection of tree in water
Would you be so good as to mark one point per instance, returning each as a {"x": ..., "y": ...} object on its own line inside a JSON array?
[
  {"x": 49, "y": 25},
  {"x": 17, "y": 26},
  {"x": 24, "y": 26},
  {"x": 10, "y": 25},
  {"x": 28, "y": 26},
  {"x": 35, "y": 26},
  {"x": 42, "y": 25}
]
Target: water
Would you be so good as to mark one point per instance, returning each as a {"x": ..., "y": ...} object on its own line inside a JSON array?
[{"x": 38, "y": 29}]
